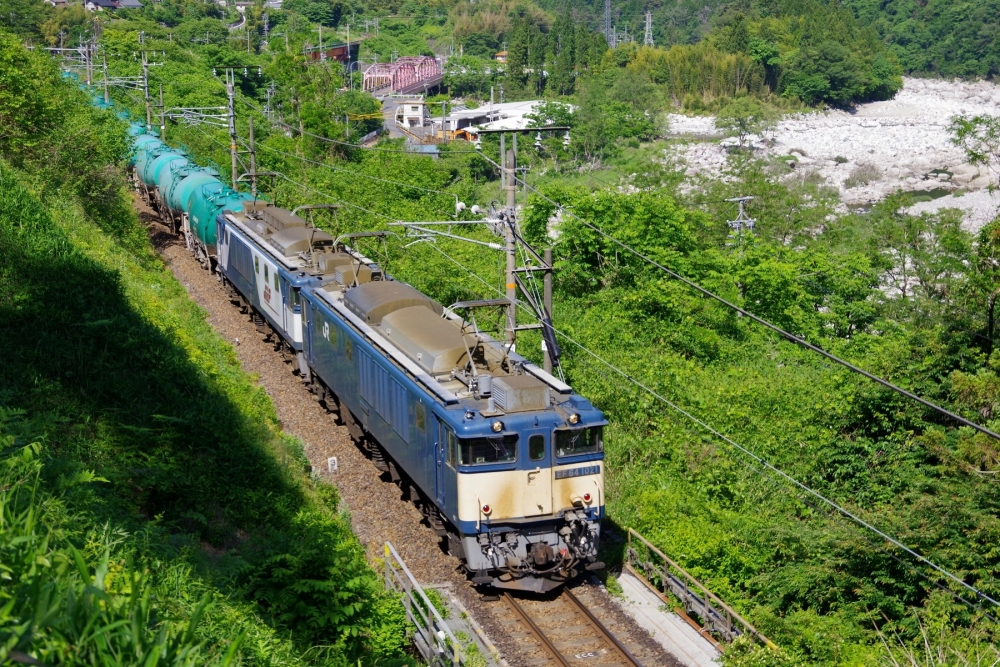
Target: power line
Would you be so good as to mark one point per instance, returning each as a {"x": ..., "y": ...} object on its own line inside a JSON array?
[
  {"x": 773, "y": 327},
  {"x": 337, "y": 142},
  {"x": 337, "y": 199},
  {"x": 758, "y": 459},
  {"x": 354, "y": 173}
]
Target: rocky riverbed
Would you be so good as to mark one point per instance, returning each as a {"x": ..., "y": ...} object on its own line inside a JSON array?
[{"x": 876, "y": 149}]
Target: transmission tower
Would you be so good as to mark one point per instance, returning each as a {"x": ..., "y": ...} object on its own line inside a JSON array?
[
  {"x": 648, "y": 39},
  {"x": 609, "y": 32}
]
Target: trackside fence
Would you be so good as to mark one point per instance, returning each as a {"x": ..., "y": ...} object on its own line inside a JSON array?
[
  {"x": 432, "y": 636},
  {"x": 657, "y": 571}
]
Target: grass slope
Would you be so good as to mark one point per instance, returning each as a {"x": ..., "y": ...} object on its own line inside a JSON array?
[{"x": 145, "y": 476}]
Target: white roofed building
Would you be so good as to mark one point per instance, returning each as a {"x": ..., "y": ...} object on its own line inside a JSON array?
[{"x": 505, "y": 116}]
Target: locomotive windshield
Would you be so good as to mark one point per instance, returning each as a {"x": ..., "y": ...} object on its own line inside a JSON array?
[
  {"x": 579, "y": 441},
  {"x": 478, "y": 451}
]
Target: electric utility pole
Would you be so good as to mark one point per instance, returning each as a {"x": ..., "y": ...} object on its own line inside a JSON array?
[
  {"x": 608, "y": 34},
  {"x": 145, "y": 84},
  {"x": 742, "y": 221},
  {"x": 231, "y": 112},
  {"x": 648, "y": 39}
]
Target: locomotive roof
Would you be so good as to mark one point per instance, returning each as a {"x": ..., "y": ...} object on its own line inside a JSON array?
[
  {"x": 373, "y": 301},
  {"x": 297, "y": 244},
  {"x": 434, "y": 345}
]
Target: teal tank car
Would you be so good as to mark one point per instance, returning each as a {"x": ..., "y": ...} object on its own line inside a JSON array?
[
  {"x": 206, "y": 204},
  {"x": 184, "y": 192},
  {"x": 189, "y": 173},
  {"x": 159, "y": 161},
  {"x": 166, "y": 171},
  {"x": 145, "y": 146}
]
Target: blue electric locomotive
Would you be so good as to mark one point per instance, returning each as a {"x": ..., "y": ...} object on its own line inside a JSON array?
[{"x": 503, "y": 459}]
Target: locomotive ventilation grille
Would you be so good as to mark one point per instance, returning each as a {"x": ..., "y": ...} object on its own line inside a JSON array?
[{"x": 518, "y": 393}]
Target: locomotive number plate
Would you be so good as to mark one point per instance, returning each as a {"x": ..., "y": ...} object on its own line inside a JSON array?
[{"x": 578, "y": 472}]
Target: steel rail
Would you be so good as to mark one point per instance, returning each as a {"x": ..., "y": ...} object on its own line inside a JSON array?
[
  {"x": 535, "y": 630},
  {"x": 618, "y": 647},
  {"x": 605, "y": 635}
]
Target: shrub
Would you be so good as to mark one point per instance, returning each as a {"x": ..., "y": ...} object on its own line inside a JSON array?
[{"x": 863, "y": 174}]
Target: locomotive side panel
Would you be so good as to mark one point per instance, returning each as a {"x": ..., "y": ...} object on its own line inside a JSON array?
[
  {"x": 238, "y": 268},
  {"x": 388, "y": 404}
]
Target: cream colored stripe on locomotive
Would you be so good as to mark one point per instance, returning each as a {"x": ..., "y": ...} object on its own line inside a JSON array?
[{"x": 505, "y": 492}]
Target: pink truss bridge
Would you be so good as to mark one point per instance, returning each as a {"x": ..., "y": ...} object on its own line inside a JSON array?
[{"x": 407, "y": 74}]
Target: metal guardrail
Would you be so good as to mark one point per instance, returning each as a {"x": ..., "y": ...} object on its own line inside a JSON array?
[
  {"x": 432, "y": 636},
  {"x": 663, "y": 575}
]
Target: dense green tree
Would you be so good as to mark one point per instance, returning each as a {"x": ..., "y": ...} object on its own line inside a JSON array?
[
  {"x": 744, "y": 117},
  {"x": 518, "y": 54},
  {"x": 563, "y": 44},
  {"x": 23, "y": 17},
  {"x": 480, "y": 45}
]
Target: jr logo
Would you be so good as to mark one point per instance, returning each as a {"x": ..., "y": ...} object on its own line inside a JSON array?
[
  {"x": 326, "y": 330},
  {"x": 267, "y": 293}
]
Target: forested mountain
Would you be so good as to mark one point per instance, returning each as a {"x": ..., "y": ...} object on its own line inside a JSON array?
[{"x": 932, "y": 38}]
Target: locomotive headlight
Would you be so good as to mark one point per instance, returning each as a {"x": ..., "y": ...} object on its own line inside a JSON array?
[
  {"x": 574, "y": 418},
  {"x": 487, "y": 510},
  {"x": 497, "y": 426}
]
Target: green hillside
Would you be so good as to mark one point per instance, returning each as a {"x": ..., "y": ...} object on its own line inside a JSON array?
[{"x": 151, "y": 510}]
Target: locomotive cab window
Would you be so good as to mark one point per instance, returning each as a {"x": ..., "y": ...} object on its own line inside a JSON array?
[
  {"x": 536, "y": 447},
  {"x": 579, "y": 441},
  {"x": 294, "y": 300},
  {"x": 480, "y": 451},
  {"x": 267, "y": 278},
  {"x": 420, "y": 416},
  {"x": 450, "y": 443},
  {"x": 256, "y": 265}
]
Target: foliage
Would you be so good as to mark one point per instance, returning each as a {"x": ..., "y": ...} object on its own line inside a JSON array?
[
  {"x": 129, "y": 384},
  {"x": 744, "y": 117},
  {"x": 470, "y": 76},
  {"x": 937, "y": 38},
  {"x": 863, "y": 174},
  {"x": 979, "y": 137},
  {"x": 62, "y": 603}
]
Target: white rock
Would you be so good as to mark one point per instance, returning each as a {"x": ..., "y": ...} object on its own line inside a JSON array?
[{"x": 980, "y": 182}]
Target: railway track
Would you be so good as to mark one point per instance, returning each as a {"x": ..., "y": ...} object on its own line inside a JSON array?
[{"x": 562, "y": 631}]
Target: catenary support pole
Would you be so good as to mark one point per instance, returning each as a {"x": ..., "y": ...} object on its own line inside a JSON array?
[
  {"x": 145, "y": 88},
  {"x": 231, "y": 92},
  {"x": 104, "y": 61},
  {"x": 511, "y": 187},
  {"x": 547, "y": 299},
  {"x": 163, "y": 118},
  {"x": 253, "y": 162}
]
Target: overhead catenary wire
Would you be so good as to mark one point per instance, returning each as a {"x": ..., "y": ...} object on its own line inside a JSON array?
[
  {"x": 763, "y": 463},
  {"x": 354, "y": 173},
  {"x": 773, "y": 327},
  {"x": 337, "y": 142}
]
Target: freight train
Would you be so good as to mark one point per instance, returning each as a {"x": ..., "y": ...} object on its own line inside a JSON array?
[{"x": 505, "y": 461}]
